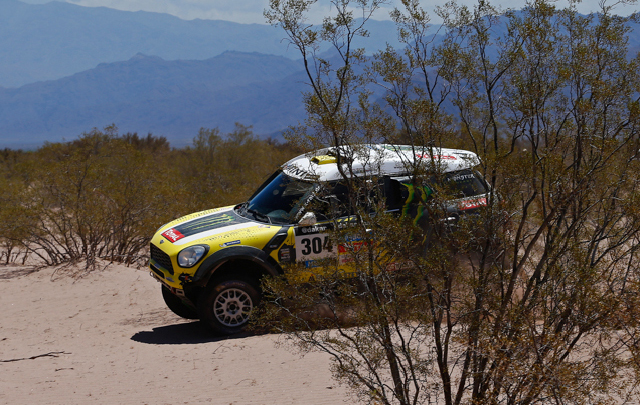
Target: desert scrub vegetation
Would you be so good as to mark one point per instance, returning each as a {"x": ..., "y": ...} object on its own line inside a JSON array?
[{"x": 103, "y": 195}]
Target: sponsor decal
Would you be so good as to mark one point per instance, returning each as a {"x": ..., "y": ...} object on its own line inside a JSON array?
[
  {"x": 235, "y": 242},
  {"x": 462, "y": 177},
  {"x": 396, "y": 266},
  {"x": 471, "y": 204},
  {"x": 295, "y": 171},
  {"x": 242, "y": 233},
  {"x": 323, "y": 227},
  {"x": 311, "y": 229},
  {"x": 284, "y": 255},
  {"x": 310, "y": 264},
  {"x": 351, "y": 247},
  {"x": 398, "y": 148},
  {"x": 172, "y": 235},
  {"x": 196, "y": 215},
  {"x": 438, "y": 157},
  {"x": 208, "y": 223},
  {"x": 345, "y": 259}
]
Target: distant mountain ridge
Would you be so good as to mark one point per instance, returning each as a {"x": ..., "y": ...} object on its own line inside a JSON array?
[
  {"x": 67, "y": 69},
  {"x": 149, "y": 94},
  {"x": 56, "y": 39},
  {"x": 49, "y": 41}
]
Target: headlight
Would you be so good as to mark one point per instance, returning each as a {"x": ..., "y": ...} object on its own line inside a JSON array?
[{"x": 190, "y": 256}]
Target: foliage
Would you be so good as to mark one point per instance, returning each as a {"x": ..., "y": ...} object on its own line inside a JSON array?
[
  {"x": 102, "y": 196},
  {"x": 219, "y": 170},
  {"x": 532, "y": 301}
]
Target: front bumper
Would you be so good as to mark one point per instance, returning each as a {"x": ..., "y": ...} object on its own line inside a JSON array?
[{"x": 157, "y": 275}]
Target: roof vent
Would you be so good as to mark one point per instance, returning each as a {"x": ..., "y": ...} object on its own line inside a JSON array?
[{"x": 323, "y": 159}]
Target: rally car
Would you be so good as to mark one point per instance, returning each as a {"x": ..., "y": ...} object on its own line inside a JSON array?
[{"x": 210, "y": 263}]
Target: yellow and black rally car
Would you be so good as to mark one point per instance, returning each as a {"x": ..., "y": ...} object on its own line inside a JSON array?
[{"x": 210, "y": 263}]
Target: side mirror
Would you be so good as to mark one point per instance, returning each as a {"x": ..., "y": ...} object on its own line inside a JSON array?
[{"x": 308, "y": 219}]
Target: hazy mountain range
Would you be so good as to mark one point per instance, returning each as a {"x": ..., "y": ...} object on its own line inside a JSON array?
[
  {"x": 49, "y": 41},
  {"x": 149, "y": 94},
  {"x": 67, "y": 69}
]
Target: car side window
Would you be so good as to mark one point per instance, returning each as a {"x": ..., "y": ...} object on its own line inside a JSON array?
[
  {"x": 333, "y": 200},
  {"x": 393, "y": 191}
]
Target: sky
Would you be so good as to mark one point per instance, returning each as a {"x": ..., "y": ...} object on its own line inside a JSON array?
[{"x": 250, "y": 11}]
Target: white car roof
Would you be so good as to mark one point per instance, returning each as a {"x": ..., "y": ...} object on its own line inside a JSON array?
[{"x": 376, "y": 160}]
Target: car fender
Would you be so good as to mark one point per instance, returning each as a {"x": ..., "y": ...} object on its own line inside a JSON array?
[{"x": 217, "y": 259}]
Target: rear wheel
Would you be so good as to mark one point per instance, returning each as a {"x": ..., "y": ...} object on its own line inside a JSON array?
[
  {"x": 226, "y": 305},
  {"x": 178, "y": 307}
]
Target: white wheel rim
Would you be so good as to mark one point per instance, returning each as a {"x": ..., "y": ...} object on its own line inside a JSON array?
[{"x": 232, "y": 307}]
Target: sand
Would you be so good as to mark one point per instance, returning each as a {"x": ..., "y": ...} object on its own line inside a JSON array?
[{"x": 108, "y": 338}]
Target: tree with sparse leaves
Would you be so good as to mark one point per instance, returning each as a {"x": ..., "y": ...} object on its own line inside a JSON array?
[{"x": 535, "y": 300}]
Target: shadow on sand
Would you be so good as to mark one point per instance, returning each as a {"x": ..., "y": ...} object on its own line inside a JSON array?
[
  {"x": 9, "y": 272},
  {"x": 189, "y": 333}
]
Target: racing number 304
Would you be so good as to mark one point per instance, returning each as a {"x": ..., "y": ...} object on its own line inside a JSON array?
[{"x": 315, "y": 245}]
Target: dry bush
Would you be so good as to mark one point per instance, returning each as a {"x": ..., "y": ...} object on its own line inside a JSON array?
[{"x": 102, "y": 196}]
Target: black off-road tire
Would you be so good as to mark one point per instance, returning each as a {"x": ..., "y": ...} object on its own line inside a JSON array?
[
  {"x": 225, "y": 306},
  {"x": 178, "y": 307}
]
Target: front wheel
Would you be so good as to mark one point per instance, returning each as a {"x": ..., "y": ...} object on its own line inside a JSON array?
[{"x": 225, "y": 306}]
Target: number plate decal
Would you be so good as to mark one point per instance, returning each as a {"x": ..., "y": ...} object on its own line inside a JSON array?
[{"x": 313, "y": 242}]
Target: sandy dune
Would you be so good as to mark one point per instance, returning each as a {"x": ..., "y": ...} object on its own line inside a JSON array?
[{"x": 107, "y": 338}]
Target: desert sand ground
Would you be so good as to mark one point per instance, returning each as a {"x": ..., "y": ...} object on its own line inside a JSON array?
[{"x": 108, "y": 338}]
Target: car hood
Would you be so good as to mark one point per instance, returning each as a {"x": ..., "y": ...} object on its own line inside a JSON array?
[{"x": 204, "y": 224}]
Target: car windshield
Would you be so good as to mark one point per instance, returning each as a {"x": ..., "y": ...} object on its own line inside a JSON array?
[{"x": 280, "y": 200}]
